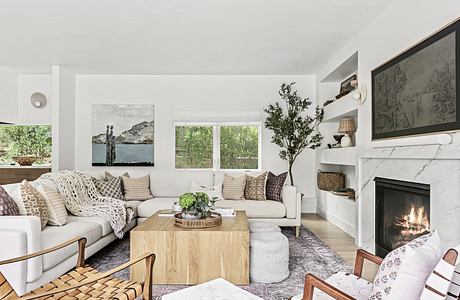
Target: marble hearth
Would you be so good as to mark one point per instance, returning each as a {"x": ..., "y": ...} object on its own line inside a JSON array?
[{"x": 436, "y": 165}]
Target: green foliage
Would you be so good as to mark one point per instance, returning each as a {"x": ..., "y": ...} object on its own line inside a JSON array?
[
  {"x": 22, "y": 140},
  {"x": 197, "y": 204},
  {"x": 194, "y": 147},
  {"x": 187, "y": 200},
  {"x": 293, "y": 129},
  {"x": 239, "y": 147}
]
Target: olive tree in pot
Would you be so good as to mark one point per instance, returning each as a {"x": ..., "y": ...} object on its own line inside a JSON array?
[{"x": 294, "y": 129}]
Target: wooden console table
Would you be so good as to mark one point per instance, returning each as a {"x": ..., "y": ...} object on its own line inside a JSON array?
[{"x": 15, "y": 174}]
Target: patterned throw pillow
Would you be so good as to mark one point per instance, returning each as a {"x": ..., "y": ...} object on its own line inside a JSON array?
[
  {"x": 255, "y": 187},
  {"x": 409, "y": 264},
  {"x": 7, "y": 205},
  {"x": 234, "y": 187},
  {"x": 32, "y": 203},
  {"x": 137, "y": 188},
  {"x": 109, "y": 176},
  {"x": 275, "y": 186},
  {"x": 57, "y": 213},
  {"x": 111, "y": 188}
]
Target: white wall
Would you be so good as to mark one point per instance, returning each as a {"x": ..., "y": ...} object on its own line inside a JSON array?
[
  {"x": 27, "y": 85},
  {"x": 170, "y": 94},
  {"x": 8, "y": 95}
]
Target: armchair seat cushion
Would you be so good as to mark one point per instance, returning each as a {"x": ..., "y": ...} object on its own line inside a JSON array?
[{"x": 348, "y": 283}]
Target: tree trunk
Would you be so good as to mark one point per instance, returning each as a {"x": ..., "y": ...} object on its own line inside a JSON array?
[{"x": 290, "y": 172}]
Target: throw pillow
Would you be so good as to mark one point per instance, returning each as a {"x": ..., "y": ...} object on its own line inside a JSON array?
[
  {"x": 234, "y": 187},
  {"x": 137, "y": 188},
  {"x": 110, "y": 188},
  {"x": 442, "y": 281},
  {"x": 275, "y": 186},
  {"x": 109, "y": 176},
  {"x": 212, "y": 191},
  {"x": 32, "y": 203},
  {"x": 7, "y": 205},
  {"x": 409, "y": 265},
  {"x": 57, "y": 213},
  {"x": 255, "y": 187}
]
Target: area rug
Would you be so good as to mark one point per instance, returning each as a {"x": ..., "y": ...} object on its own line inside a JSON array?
[{"x": 307, "y": 254}]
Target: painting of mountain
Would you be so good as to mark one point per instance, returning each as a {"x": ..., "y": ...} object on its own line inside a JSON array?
[{"x": 123, "y": 135}]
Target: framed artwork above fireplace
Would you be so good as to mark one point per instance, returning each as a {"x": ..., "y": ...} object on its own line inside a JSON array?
[{"x": 417, "y": 92}]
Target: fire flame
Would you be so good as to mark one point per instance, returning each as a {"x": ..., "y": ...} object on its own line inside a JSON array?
[{"x": 415, "y": 222}]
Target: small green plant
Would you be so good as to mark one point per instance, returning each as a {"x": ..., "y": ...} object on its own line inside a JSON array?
[{"x": 196, "y": 204}]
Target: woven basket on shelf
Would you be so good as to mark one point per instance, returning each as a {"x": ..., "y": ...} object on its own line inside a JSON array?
[
  {"x": 329, "y": 181},
  {"x": 214, "y": 220}
]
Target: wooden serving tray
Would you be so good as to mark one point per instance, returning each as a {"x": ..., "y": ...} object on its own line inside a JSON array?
[{"x": 214, "y": 220}]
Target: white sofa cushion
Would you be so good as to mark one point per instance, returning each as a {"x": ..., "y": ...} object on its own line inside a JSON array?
[
  {"x": 52, "y": 236},
  {"x": 105, "y": 225},
  {"x": 150, "y": 207},
  {"x": 256, "y": 209}
]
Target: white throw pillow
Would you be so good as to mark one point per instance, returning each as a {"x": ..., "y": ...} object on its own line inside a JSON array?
[
  {"x": 403, "y": 272},
  {"x": 212, "y": 191}
]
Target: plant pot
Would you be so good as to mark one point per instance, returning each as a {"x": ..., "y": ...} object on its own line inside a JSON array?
[{"x": 26, "y": 160}]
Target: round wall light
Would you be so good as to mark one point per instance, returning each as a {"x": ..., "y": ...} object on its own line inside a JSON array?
[{"x": 38, "y": 100}]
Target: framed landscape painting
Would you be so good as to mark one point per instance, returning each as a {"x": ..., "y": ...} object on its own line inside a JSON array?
[
  {"x": 418, "y": 91},
  {"x": 123, "y": 135}
]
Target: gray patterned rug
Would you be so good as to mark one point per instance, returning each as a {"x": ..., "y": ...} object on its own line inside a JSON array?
[{"x": 307, "y": 254}]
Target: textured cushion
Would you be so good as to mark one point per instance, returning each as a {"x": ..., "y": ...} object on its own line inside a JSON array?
[
  {"x": 7, "y": 205},
  {"x": 212, "y": 191},
  {"x": 110, "y": 188},
  {"x": 57, "y": 214},
  {"x": 256, "y": 209},
  {"x": 255, "y": 187},
  {"x": 348, "y": 283},
  {"x": 53, "y": 235},
  {"x": 149, "y": 207},
  {"x": 411, "y": 265},
  {"x": 109, "y": 176},
  {"x": 274, "y": 186},
  {"x": 234, "y": 187},
  {"x": 31, "y": 203},
  {"x": 137, "y": 188}
]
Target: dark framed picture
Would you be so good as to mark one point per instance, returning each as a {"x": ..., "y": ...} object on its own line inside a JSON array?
[
  {"x": 346, "y": 87},
  {"x": 417, "y": 91}
]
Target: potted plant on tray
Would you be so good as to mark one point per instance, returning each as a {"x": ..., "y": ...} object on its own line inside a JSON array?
[{"x": 195, "y": 205}]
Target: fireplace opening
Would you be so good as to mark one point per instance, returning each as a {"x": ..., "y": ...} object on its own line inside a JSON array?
[{"x": 402, "y": 213}]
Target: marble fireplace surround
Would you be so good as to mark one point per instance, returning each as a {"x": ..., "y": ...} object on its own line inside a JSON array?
[{"x": 436, "y": 165}]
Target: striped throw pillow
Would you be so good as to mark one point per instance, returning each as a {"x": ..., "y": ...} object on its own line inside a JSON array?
[
  {"x": 234, "y": 187},
  {"x": 442, "y": 284},
  {"x": 137, "y": 188},
  {"x": 57, "y": 214},
  {"x": 454, "y": 288}
]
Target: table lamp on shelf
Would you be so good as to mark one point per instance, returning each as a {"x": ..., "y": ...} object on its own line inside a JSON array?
[{"x": 347, "y": 126}]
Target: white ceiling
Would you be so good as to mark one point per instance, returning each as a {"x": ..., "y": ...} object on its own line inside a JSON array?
[{"x": 179, "y": 36}]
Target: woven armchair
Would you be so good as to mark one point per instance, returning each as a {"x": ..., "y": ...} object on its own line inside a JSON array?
[{"x": 84, "y": 282}]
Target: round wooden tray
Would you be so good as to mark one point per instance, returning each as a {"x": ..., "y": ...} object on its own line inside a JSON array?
[{"x": 214, "y": 220}]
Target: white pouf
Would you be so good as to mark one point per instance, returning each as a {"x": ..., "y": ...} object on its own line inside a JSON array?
[
  {"x": 260, "y": 227},
  {"x": 269, "y": 258}
]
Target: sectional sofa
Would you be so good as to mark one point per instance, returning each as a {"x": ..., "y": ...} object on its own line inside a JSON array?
[{"x": 22, "y": 234}]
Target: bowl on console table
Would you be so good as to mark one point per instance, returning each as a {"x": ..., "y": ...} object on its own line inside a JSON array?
[{"x": 25, "y": 160}]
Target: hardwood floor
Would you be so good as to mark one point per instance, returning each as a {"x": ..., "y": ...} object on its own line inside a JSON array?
[{"x": 338, "y": 240}]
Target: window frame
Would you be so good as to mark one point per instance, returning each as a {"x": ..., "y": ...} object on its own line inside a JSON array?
[{"x": 216, "y": 143}]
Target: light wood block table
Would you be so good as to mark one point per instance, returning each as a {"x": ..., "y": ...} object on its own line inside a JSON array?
[{"x": 193, "y": 256}]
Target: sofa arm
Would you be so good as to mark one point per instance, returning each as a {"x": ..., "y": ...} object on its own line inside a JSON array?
[
  {"x": 291, "y": 200},
  {"x": 29, "y": 229}
]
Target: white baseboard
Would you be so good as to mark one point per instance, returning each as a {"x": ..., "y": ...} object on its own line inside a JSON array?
[
  {"x": 337, "y": 221},
  {"x": 308, "y": 205}
]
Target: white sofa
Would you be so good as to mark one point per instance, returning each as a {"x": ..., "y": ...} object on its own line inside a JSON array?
[{"x": 22, "y": 234}]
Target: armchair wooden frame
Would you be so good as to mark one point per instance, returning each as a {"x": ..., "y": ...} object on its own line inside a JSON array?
[
  {"x": 312, "y": 282},
  {"x": 8, "y": 293}
]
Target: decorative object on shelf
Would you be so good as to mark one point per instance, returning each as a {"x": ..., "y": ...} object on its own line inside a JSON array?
[
  {"x": 293, "y": 130},
  {"x": 328, "y": 102},
  {"x": 123, "y": 135},
  {"x": 25, "y": 160},
  {"x": 338, "y": 138},
  {"x": 38, "y": 100},
  {"x": 351, "y": 194},
  {"x": 346, "y": 87},
  {"x": 417, "y": 91},
  {"x": 360, "y": 94},
  {"x": 347, "y": 126},
  {"x": 328, "y": 181},
  {"x": 341, "y": 191}
]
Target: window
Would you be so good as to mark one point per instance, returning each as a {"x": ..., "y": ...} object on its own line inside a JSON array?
[{"x": 232, "y": 146}]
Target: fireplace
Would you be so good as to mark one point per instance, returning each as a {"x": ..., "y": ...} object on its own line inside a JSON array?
[{"x": 402, "y": 213}]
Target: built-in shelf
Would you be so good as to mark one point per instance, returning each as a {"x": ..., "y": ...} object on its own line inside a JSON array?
[
  {"x": 346, "y": 106},
  {"x": 331, "y": 195},
  {"x": 349, "y": 66},
  {"x": 337, "y": 156}
]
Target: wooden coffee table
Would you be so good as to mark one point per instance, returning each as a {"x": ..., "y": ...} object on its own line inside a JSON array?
[{"x": 193, "y": 256}]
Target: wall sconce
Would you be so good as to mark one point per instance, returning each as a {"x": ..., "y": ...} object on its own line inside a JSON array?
[
  {"x": 38, "y": 100},
  {"x": 360, "y": 94}
]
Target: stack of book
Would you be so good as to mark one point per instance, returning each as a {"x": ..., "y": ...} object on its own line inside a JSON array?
[{"x": 225, "y": 211}]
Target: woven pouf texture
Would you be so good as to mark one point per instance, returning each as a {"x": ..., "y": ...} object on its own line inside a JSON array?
[
  {"x": 261, "y": 227},
  {"x": 269, "y": 257}
]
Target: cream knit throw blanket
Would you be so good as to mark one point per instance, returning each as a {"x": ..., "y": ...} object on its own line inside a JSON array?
[{"x": 82, "y": 198}]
